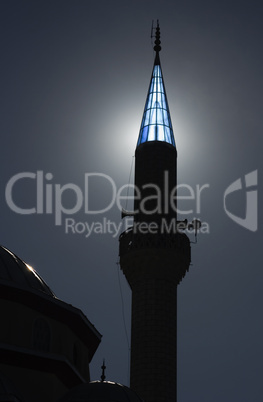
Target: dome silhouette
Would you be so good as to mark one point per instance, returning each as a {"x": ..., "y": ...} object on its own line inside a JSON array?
[
  {"x": 46, "y": 344},
  {"x": 16, "y": 273},
  {"x": 101, "y": 391}
]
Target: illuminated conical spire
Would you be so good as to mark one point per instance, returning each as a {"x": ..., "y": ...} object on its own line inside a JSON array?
[{"x": 156, "y": 121}]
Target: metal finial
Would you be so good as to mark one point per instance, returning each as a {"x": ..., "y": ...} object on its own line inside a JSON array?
[
  {"x": 103, "y": 371},
  {"x": 157, "y": 41}
]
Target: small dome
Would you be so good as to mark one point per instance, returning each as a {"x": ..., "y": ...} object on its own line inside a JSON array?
[
  {"x": 15, "y": 272},
  {"x": 101, "y": 391}
]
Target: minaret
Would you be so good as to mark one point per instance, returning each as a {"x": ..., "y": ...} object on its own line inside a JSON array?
[{"x": 154, "y": 255}]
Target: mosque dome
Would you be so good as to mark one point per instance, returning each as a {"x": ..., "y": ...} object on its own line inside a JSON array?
[
  {"x": 101, "y": 391},
  {"x": 16, "y": 273},
  {"x": 46, "y": 344}
]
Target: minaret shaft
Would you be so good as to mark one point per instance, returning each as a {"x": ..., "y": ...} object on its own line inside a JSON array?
[
  {"x": 153, "y": 340},
  {"x": 155, "y": 181}
]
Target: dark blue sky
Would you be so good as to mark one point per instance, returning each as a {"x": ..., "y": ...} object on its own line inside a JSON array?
[{"x": 74, "y": 78}]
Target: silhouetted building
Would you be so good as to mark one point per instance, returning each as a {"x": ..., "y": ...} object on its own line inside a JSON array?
[
  {"x": 46, "y": 345},
  {"x": 154, "y": 255}
]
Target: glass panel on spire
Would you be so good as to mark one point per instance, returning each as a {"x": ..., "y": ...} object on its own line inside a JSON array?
[{"x": 156, "y": 122}]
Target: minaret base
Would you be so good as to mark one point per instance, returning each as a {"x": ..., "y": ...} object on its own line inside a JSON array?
[{"x": 153, "y": 274}]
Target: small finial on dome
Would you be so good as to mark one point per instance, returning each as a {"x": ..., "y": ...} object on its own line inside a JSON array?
[
  {"x": 103, "y": 371},
  {"x": 157, "y": 41}
]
